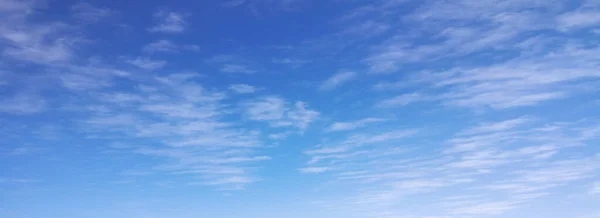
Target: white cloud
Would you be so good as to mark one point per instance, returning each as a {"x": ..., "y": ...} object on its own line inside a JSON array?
[
  {"x": 167, "y": 46},
  {"x": 84, "y": 11},
  {"x": 281, "y": 135},
  {"x": 44, "y": 42},
  {"x": 488, "y": 208},
  {"x": 277, "y": 112},
  {"x": 15, "y": 5},
  {"x": 595, "y": 190},
  {"x": 146, "y": 63},
  {"x": 233, "y": 3},
  {"x": 523, "y": 151},
  {"x": 301, "y": 116},
  {"x": 266, "y": 109},
  {"x": 242, "y": 88},
  {"x": 315, "y": 169},
  {"x": 290, "y": 61},
  {"x": 195, "y": 136},
  {"x": 498, "y": 126},
  {"x": 169, "y": 22},
  {"x": 34, "y": 43},
  {"x": 345, "y": 126},
  {"x": 402, "y": 100},
  {"x": 236, "y": 68},
  {"x": 579, "y": 19},
  {"x": 19, "y": 151},
  {"x": 517, "y": 83},
  {"x": 23, "y": 104},
  {"x": 17, "y": 180},
  {"x": 337, "y": 80},
  {"x": 160, "y": 46}
]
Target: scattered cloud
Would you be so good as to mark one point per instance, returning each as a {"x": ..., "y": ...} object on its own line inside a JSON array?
[
  {"x": 500, "y": 60},
  {"x": 188, "y": 122},
  {"x": 233, "y": 3},
  {"x": 520, "y": 150},
  {"x": 23, "y": 104},
  {"x": 17, "y": 180},
  {"x": 279, "y": 113},
  {"x": 315, "y": 169},
  {"x": 166, "y": 46},
  {"x": 242, "y": 88},
  {"x": 160, "y": 46},
  {"x": 236, "y": 68},
  {"x": 337, "y": 80},
  {"x": 595, "y": 190},
  {"x": 345, "y": 126},
  {"x": 579, "y": 19},
  {"x": 497, "y": 127},
  {"x": 86, "y": 12},
  {"x": 169, "y": 22},
  {"x": 402, "y": 100},
  {"x": 146, "y": 63},
  {"x": 290, "y": 61}
]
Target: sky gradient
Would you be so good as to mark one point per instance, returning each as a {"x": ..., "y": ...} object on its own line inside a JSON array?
[{"x": 300, "y": 108}]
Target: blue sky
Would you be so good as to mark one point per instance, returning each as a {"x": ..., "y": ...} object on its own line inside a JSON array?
[{"x": 300, "y": 108}]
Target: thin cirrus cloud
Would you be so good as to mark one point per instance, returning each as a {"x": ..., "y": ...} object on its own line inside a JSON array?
[
  {"x": 337, "y": 80},
  {"x": 87, "y": 12},
  {"x": 595, "y": 190},
  {"x": 169, "y": 22},
  {"x": 166, "y": 46},
  {"x": 146, "y": 63},
  {"x": 243, "y": 88},
  {"x": 236, "y": 68},
  {"x": 454, "y": 96},
  {"x": 345, "y": 126}
]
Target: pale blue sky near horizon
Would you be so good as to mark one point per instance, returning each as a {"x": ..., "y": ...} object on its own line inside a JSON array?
[{"x": 300, "y": 108}]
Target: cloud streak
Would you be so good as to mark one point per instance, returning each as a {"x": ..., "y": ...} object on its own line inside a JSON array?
[{"x": 337, "y": 80}]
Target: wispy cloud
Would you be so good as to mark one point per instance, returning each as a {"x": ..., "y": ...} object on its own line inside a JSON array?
[
  {"x": 484, "y": 151},
  {"x": 482, "y": 67},
  {"x": 315, "y": 169},
  {"x": 86, "y": 12},
  {"x": 233, "y": 3},
  {"x": 402, "y": 100},
  {"x": 345, "y": 126},
  {"x": 279, "y": 113},
  {"x": 236, "y": 68},
  {"x": 22, "y": 104},
  {"x": 337, "y": 80},
  {"x": 579, "y": 19},
  {"x": 167, "y": 46},
  {"x": 242, "y": 88},
  {"x": 595, "y": 190},
  {"x": 160, "y": 46},
  {"x": 169, "y": 22},
  {"x": 146, "y": 63},
  {"x": 188, "y": 120},
  {"x": 17, "y": 180}
]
